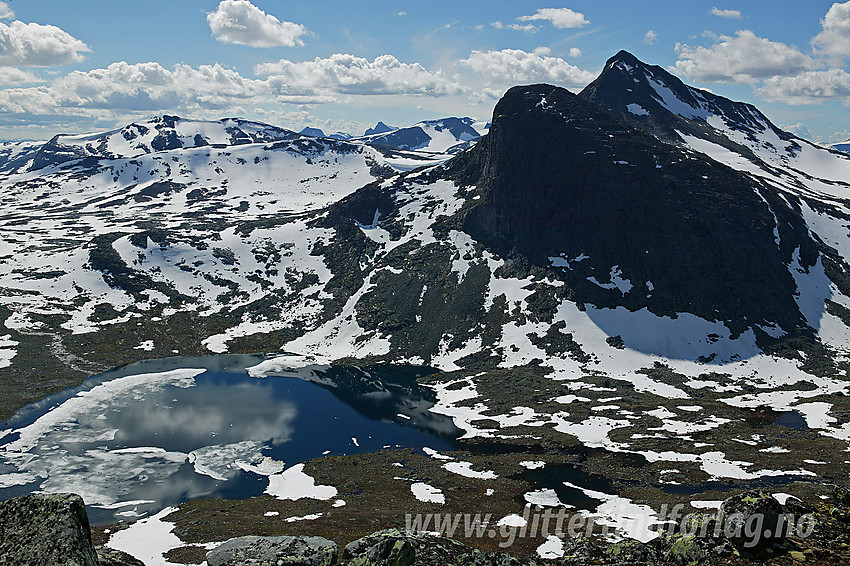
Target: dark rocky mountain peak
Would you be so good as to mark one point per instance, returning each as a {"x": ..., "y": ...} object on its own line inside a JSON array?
[
  {"x": 650, "y": 98},
  {"x": 630, "y": 220}
]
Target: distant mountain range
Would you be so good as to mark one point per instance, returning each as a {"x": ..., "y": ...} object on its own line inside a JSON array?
[
  {"x": 447, "y": 135},
  {"x": 843, "y": 146}
]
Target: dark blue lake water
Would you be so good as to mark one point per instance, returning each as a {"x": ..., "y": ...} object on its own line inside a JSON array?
[{"x": 158, "y": 433}]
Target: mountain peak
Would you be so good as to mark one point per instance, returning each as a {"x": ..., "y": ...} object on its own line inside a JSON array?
[
  {"x": 380, "y": 128},
  {"x": 651, "y": 99},
  {"x": 625, "y": 57},
  {"x": 627, "y": 85},
  {"x": 166, "y": 120},
  {"x": 159, "y": 133},
  {"x": 313, "y": 132},
  {"x": 562, "y": 177}
]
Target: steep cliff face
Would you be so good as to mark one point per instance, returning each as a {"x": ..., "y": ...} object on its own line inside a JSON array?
[{"x": 631, "y": 220}]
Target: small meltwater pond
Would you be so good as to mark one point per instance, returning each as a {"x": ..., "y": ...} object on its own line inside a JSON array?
[{"x": 158, "y": 433}]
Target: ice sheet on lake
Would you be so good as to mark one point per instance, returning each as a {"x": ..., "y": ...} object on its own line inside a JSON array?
[
  {"x": 225, "y": 461},
  {"x": 544, "y": 498},
  {"x": 285, "y": 364},
  {"x": 76, "y": 446},
  {"x": 74, "y": 418}
]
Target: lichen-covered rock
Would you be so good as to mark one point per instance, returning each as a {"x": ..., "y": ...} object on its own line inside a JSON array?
[
  {"x": 274, "y": 551},
  {"x": 581, "y": 550},
  {"x": 841, "y": 496},
  {"x": 686, "y": 551},
  {"x": 751, "y": 519},
  {"x": 630, "y": 551},
  {"x": 111, "y": 557},
  {"x": 387, "y": 552},
  {"x": 393, "y": 547},
  {"x": 45, "y": 530}
]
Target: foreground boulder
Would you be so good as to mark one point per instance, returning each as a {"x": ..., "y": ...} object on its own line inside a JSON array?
[
  {"x": 111, "y": 557},
  {"x": 272, "y": 551},
  {"x": 393, "y": 547},
  {"x": 752, "y": 519},
  {"x": 46, "y": 530}
]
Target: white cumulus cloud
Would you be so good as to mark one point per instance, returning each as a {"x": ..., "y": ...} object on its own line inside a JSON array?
[
  {"x": 810, "y": 87},
  {"x": 6, "y": 13},
  {"x": 348, "y": 74},
  {"x": 123, "y": 91},
  {"x": 799, "y": 129},
  {"x": 650, "y": 37},
  {"x": 514, "y": 66},
  {"x": 834, "y": 39},
  {"x": 828, "y": 81},
  {"x": 728, "y": 14},
  {"x": 35, "y": 45},
  {"x": 13, "y": 76},
  {"x": 127, "y": 88},
  {"x": 561, "y": 18},
  {"x": 744, "y": 58},
  {"x": 239, "y": 21}
]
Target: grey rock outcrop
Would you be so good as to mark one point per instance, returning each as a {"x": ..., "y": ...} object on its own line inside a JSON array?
[
  {"x": 393, "y": 547},
  {"x": 46, "y": 530},
  {"x": 111, "y": 557},
  {"x": 751, "y": 519},
  {"x": 274, "y": 551}
]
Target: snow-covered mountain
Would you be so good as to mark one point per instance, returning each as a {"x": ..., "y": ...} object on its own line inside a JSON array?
[
  {"x": 448, "y": 135},
  {"x": 317, "y": 133},
  {"x": 445, "y": 136},
  {"x": 643, "y": 257},
  {"x": 14, "y": 155},
  {"x": 163, "y": 133},
  {"x": 843, "y": 146},
  {"x": 734, "y": 133}
]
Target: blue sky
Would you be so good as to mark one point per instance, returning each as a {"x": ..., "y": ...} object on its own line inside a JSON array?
[{"x": 96, "y": 64}]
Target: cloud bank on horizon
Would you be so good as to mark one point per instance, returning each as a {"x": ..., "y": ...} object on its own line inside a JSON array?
[{"x": 286, "y": 65}]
